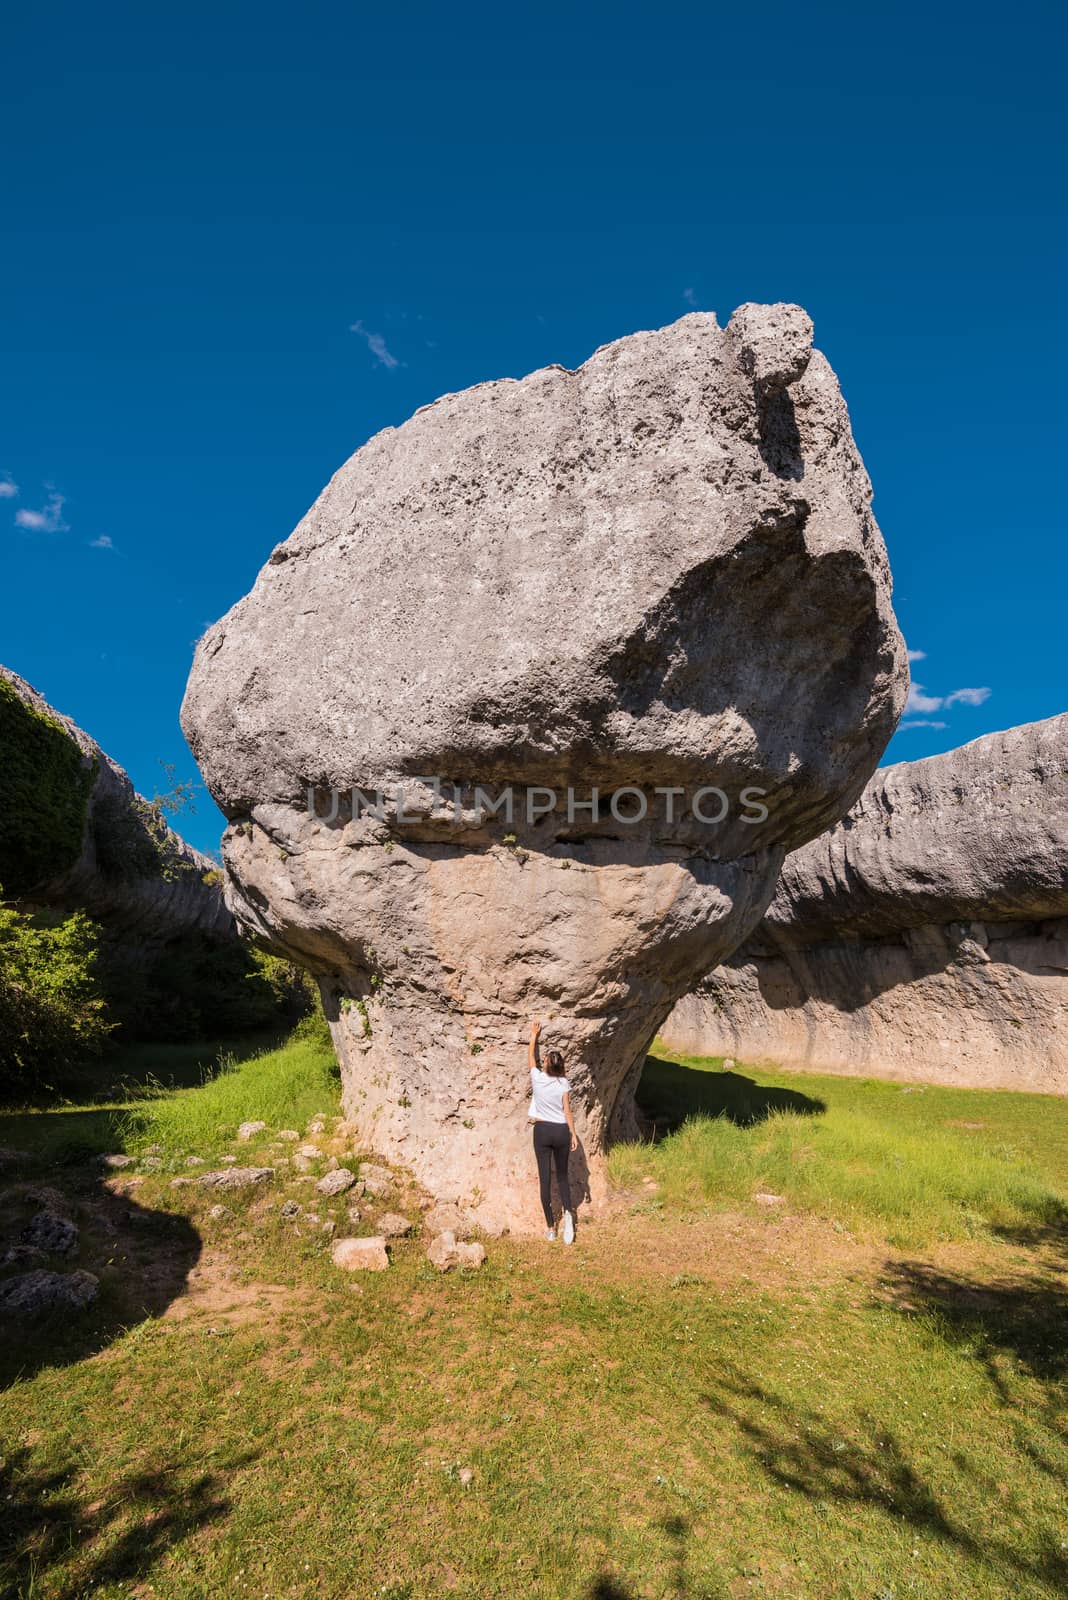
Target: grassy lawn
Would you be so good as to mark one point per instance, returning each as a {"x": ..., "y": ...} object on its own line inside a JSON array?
[{"x": 851, "y": 1387}]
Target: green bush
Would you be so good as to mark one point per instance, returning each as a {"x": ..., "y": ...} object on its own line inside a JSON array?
[
  {"x": 197, "y": 988},
  {"x": 52, "y": 1010}
]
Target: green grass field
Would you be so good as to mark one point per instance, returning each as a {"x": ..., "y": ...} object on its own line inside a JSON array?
[{"x": 852, "y": 1389}]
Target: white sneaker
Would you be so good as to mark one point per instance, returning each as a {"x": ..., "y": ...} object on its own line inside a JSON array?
[
  {"x": 550, "y": 1234},
  {"x": 569, "y": 1228}
]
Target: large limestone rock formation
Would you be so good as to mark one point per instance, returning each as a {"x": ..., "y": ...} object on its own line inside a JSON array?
[
  {"x": 924, "y": 937},
  {"x": 74, "y": 834},
  {"x": 658, "y": 571}
]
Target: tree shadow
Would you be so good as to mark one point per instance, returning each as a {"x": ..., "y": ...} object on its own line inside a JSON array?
[
  {"x": 798, "y": 1450},
  {"x": 141, "y": 1257},
  {"x": 117, "y": 1539},
  {"x": 606, "y": 1586},
  {"x": 669, "y": 1092}
]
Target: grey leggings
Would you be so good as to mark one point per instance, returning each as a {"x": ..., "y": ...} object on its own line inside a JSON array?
[{"x": 552, "y": 1143}]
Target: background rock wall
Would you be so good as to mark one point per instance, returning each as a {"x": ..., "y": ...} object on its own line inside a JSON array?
[{"x": 925, "y": 937}]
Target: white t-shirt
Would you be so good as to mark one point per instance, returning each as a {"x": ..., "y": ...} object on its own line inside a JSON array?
[{"x": 547, "y": 1096}]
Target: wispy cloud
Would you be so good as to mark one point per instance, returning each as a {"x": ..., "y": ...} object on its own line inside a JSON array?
[
  {"x": 967, "y": 697},
  {"x": 50, "y": 520},
  {"x": 8, "y": 487},
  {"x": 104, "y": 542},
  {"x": 690, "y": 297},
  {"x": 920, "y": 702},
  {"x": 920, "y": 722},
  {"x": 376, "y": 344},
  {"x": 917, "y": 655}
]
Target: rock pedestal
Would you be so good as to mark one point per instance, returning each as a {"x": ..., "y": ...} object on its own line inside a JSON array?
[{"x": 522, "y": 718}]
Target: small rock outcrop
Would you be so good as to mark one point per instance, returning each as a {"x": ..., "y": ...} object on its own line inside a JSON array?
[
  {"x": 924, "y": 937},
  {"x": 522, "y": 718},
  {"x": 42, "y": 1293},
  {"x": 446, "y": 1252},
  {"x": 74, "y": 833},
  {"x": 361, "y": 1255}
]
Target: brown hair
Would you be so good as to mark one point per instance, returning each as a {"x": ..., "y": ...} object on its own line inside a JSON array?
[{"x": 554, "y": 1065}]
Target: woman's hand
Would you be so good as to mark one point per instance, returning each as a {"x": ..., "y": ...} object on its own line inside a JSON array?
[
  {"x": 574, "y": 1143},
  {"x": 535, "y": 1029}
]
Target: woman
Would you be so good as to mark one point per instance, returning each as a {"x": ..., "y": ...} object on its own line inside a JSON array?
[{"x": 554, "y": 1131}]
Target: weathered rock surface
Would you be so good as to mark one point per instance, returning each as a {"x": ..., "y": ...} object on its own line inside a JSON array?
[
  {"x": 236, "y": 1177},
  {"x": 926, "y": 936},
  {"x": 446, "y": 1252},
  {"x": 99, "y": 847},
  {"x": 361, "y": 1255},
  {"x": 336, "y": 1182},
  {"x": 660, "y": 572},
  {"x": 47, "y": 1231},
  {"x": 40, "y": 1293}
]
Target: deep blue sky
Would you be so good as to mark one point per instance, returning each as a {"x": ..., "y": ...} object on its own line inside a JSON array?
[{"x": 199, "y": 201}]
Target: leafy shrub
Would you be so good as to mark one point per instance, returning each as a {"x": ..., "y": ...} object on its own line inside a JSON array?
[
  {"x": 197, "y": 988},
  {"x": 52, "y": 1010}
]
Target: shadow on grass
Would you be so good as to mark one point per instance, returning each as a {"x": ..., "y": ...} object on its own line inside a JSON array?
[
  {"x": 141, "y": 1257},
  {"x": 797, "y": 1450},
  {"x": 608, "y": 1587},
  {"x": 114, "y": 1540},
  {"x": 669, "y": 1092},
  {"x": 1022, "y": 1316}
]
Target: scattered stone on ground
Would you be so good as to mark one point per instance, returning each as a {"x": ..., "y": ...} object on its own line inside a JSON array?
[
  {"x": 393, "y": 1226},
  {"x": 152, "y": 1150},
  {"x": 36, "y": 1294},
  {"x": 152, "y": 1163},
  {"x": 23, "y": 1256},
  {"x": 763, "y": 1198},
  {"x": 289, "y": 1134},
  {"x": 445, "y": 1253},
  {"x": 377, "y": 1181},
  {"x": 229, "y": 1161},
  {"x": 466, "y": 1477},
  {"x": 194, "y": 1161},
  {"x": 336, "y": 1181},
  {"x": 51, "y": 1233},
  {"x": 116, "y": 1162},
  {"x": 332, "y": 1164},
  {"x": 220, "y": 1213},
  {"x": 289, "y": 1208},
  {"x": 445, "y": 1218},
  {"x": 354, "y": 1213},
  {"x": 248, "y": 1130},
  {"x": 310, "y": 1152},
  {"x": 236, "y": 1177},
  {"x": 328, "y": 1227},
  {"x": 317, "y": 1124},
  {"x": 182, "y": 1183},
  {"x": 729, "y": 1064},
  {"x": 361, "y": 1255}
]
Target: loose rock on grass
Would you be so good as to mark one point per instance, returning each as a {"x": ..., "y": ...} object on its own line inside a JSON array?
[{"x": 361, "y": 1255}]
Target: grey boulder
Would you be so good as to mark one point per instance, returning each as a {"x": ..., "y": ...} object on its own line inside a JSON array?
[{"x": 659, "y": 573}]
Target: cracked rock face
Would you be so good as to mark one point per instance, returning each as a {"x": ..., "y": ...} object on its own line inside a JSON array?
[
  {"x": 657, "y": 573},
  {"x": 925, "y": 937}
]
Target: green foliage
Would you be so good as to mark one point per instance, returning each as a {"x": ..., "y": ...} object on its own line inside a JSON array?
[
  {"x": 44, "y": 787},
  {"x": 52, "y": 1011},
  {"x": 198, "y": 987}
]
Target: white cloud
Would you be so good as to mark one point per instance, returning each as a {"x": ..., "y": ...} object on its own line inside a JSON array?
[
  {"x": 8, "y": 487},
  {"x": 50, "y": 520},
  {"x": 917, "y": 655},
  {"x": 920, "y": 702},
  {"x": 376, "y": 344},
  {"x": 919, "y": 722},
  {"x": 967, "y": 697},
  {"x": 103, "y": 543},
  {"x": 690, "y": 297}
]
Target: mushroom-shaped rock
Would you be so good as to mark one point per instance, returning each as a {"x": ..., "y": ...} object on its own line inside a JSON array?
[{"x": 521, "y": 719}]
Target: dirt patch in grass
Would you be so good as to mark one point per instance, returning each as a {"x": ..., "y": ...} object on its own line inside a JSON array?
[{"x": 219, "y": 1291}]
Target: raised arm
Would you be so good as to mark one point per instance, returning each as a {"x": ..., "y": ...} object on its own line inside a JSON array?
[
  {"x": 570, "y": 1120},
  {"x": 532, "y": 1050}
]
